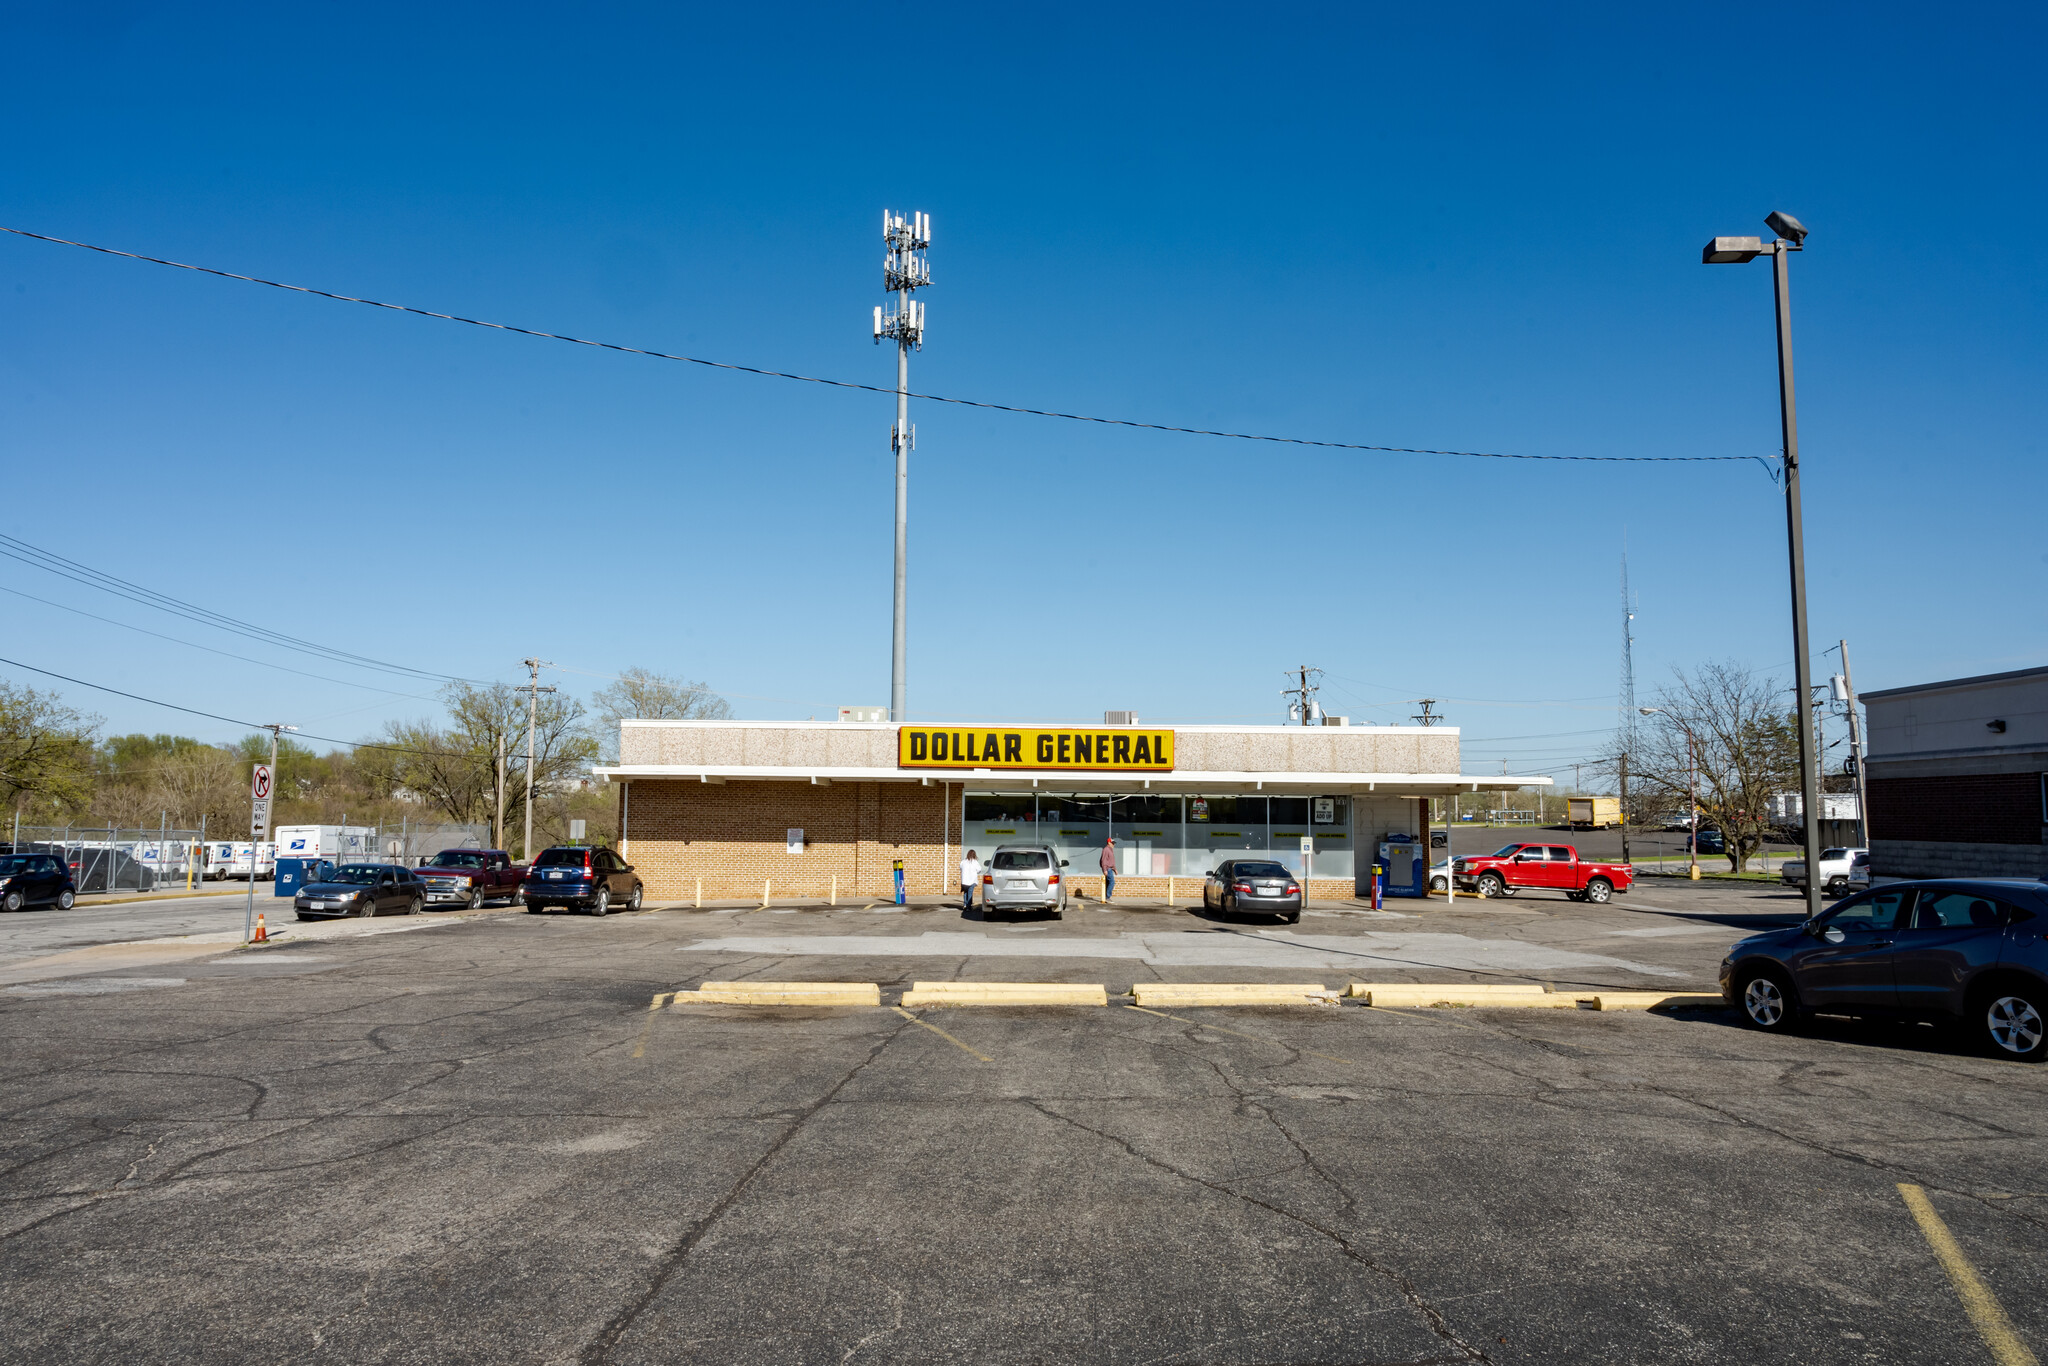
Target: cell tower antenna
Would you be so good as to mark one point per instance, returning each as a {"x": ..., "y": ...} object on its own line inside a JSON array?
[{"x": 904, "y": 270}]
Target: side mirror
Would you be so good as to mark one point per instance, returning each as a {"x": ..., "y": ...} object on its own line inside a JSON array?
[{"x": 1063, "y": 863}]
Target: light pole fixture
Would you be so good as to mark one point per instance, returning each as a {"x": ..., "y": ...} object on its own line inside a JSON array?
[
  {"x": 1791, "y": 237},
  {"x": 1692, "y": 796}
]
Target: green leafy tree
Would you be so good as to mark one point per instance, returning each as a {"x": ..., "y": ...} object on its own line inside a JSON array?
[{"x": 46, "y": 753}]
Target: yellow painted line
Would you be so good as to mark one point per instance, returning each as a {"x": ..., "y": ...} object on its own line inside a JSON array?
[
  {"x": 941, "y": 1033},
  {"x": 1978, "y": 1302},
  {"x": 1447, "y": 990},
  {"x": 1261, "y": 1038},
  {"x": 640, "y": 1046}
]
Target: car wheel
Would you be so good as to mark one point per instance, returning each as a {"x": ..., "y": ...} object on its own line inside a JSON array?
[
  {"x": 1768, "y": 1003},
  {"x": 418, "y": 904},
  {"x": 603, "y": 902},
  {"x": 369, "y": 907},
  {"x": 15, "y": 901},
  {"x": 66, "y": 899},
  {"x": 2013, "y": 1024},
  {"x": 1436, "y": 884},
  {"x": 1294, "y": 919},
  {"x": 534, "y": 908},
  {"x": 633, "y": 901},
  {"x": 518, "y": 896},
  {"x": 1837, "y": 886},
  {"x": 1599, "y": 891},
  {"x": 476, "y": 897},
  {"x": 1491, "y": 885}
]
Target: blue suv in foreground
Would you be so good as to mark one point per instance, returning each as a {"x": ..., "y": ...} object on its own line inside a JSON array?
[{"x": 1968, "y": 951}]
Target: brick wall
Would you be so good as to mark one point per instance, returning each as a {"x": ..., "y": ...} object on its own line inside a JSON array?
[
  {"x": 1947, "y": 858},
  {"x": 1963, "y": 808},
  {"x": 732, "y": 837}
]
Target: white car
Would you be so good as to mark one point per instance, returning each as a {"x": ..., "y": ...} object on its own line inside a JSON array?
[
  {"x": 1835, "y": 866},
  {"x": 1859, "y": 873}
]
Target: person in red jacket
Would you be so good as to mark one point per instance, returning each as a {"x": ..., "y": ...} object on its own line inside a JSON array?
[{"x": 1109, "y": 868}]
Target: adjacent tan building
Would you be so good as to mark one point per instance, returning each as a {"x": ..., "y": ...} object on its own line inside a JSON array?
[{"x": 727, "y": 809}]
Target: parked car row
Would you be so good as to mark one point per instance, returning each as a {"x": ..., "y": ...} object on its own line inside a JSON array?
[{"x": 570, "y": 876}]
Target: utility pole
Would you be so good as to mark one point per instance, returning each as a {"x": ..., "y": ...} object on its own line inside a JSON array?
[
  {"x": 903, "y": 270},
  {"x": 259, "y": 826},
  {"x": 1624, "y": 806},
  {"x": 498, "y": 821},
  {"x": 1304, "y": 707},
  {"x": 1428, "y": 717},
  {"x": 1856, "y": 750},
  {"x": 533, "y": 690}
]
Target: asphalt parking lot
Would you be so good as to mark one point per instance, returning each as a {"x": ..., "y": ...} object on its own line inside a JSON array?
[{"x": 478, "y": 1142}]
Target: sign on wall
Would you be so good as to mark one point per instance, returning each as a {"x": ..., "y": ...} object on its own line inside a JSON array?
[{"x": 1116, "y": 749}]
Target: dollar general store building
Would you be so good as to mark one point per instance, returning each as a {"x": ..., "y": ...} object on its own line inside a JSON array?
[{"x": 818, "y": 807}]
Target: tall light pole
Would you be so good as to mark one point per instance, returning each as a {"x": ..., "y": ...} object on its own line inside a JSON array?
[
  {"x": 903, "y": 270},
  {"x": 533, "y": 690},
  {"x": 1791, "y": 237},
  {"x": 259, "y": 828}
]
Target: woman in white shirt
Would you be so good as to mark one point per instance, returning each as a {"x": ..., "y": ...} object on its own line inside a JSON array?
[{"x": 970, "y": 875}]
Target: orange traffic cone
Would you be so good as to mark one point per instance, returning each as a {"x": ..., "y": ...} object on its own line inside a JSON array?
[{"x": 261, "y": 936}]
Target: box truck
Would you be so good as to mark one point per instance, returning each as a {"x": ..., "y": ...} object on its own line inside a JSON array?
[{"x": 1593, "y": 813}]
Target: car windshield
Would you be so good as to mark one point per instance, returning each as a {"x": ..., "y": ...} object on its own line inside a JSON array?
[
  {"x": 458, "y": 858},
  {"x": 1506, "y": 851},
  {"x": 363, "y": 874},
  {"x": 1020, "y": 860},
  {"x": 562, "y": 858},
  {"x": 1260, "y": 870}
]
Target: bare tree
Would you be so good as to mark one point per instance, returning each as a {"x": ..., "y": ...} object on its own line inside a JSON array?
[
  {"x": 1745, "y": 742},
  {"x": 454, "y": 768},
  {"x": 642, "y": 695}
]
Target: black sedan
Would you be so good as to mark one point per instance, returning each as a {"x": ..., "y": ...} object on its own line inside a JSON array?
[
  {"x": 1253, "y": 887},
  {"x": 1954, "y": 951},
  {"x": 362, "y": 889},
  {"x": 575, "y": 875},
  {"x": 35, "y": 879}
]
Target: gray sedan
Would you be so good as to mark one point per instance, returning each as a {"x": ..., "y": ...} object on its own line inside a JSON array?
[
  {"x": 362, "y": 889},
  {"x": 1253, "y": 887}
]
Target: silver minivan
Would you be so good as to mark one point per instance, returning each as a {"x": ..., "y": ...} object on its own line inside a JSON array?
[{"x": 1023, "y": 877}]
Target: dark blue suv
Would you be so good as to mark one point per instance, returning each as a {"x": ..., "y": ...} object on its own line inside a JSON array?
[
  {"x": 1963, "y": 950},
  {"x": 32, "y": 879}
]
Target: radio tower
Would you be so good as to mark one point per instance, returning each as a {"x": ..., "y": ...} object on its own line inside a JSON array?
[{"x": 903, "y": 270}]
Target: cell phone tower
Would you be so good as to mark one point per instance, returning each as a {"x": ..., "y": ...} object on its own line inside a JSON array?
[{"x": 904, "y": 269}]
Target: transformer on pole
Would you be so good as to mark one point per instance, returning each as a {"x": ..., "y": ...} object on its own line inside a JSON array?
[{"x": 903, "y": 270}]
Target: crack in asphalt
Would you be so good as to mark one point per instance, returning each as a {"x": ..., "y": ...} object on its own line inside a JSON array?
[
  {"x": 599, "y": 1349},
  {"x": 1434, "y": 1318}
]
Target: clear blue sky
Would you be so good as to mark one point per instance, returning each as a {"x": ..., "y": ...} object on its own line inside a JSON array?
[{"x": 1478, "y": 231}]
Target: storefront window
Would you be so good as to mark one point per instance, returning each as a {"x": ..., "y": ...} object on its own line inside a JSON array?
[{"x": 1162, "y": 836}]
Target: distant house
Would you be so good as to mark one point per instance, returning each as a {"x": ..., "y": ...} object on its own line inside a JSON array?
[{"x": 1958, "y": 777}]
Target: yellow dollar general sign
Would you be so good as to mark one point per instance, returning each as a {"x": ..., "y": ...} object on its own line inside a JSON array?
[{"x": 1148, "y": 751}]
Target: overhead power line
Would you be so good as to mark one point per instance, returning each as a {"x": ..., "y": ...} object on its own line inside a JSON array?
[
  {"x": 874, "y": 388},
  {"x": 17, "y": 549},
  {"x": 236, "y": 720}
]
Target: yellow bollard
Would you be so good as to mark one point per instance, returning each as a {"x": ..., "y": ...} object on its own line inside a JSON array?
[
  {"x": 1695, "y": 872},
  {"x": 1169, "y": 891},
  {"x": 700, "y": 893},
  {"x": 767, "y": 884},
  {"x": 834, "y": 898}
]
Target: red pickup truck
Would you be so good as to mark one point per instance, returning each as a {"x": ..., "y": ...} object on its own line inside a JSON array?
[
  {"x": 1555, "y": 867},
  {"x": 470, "y": 877}
]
